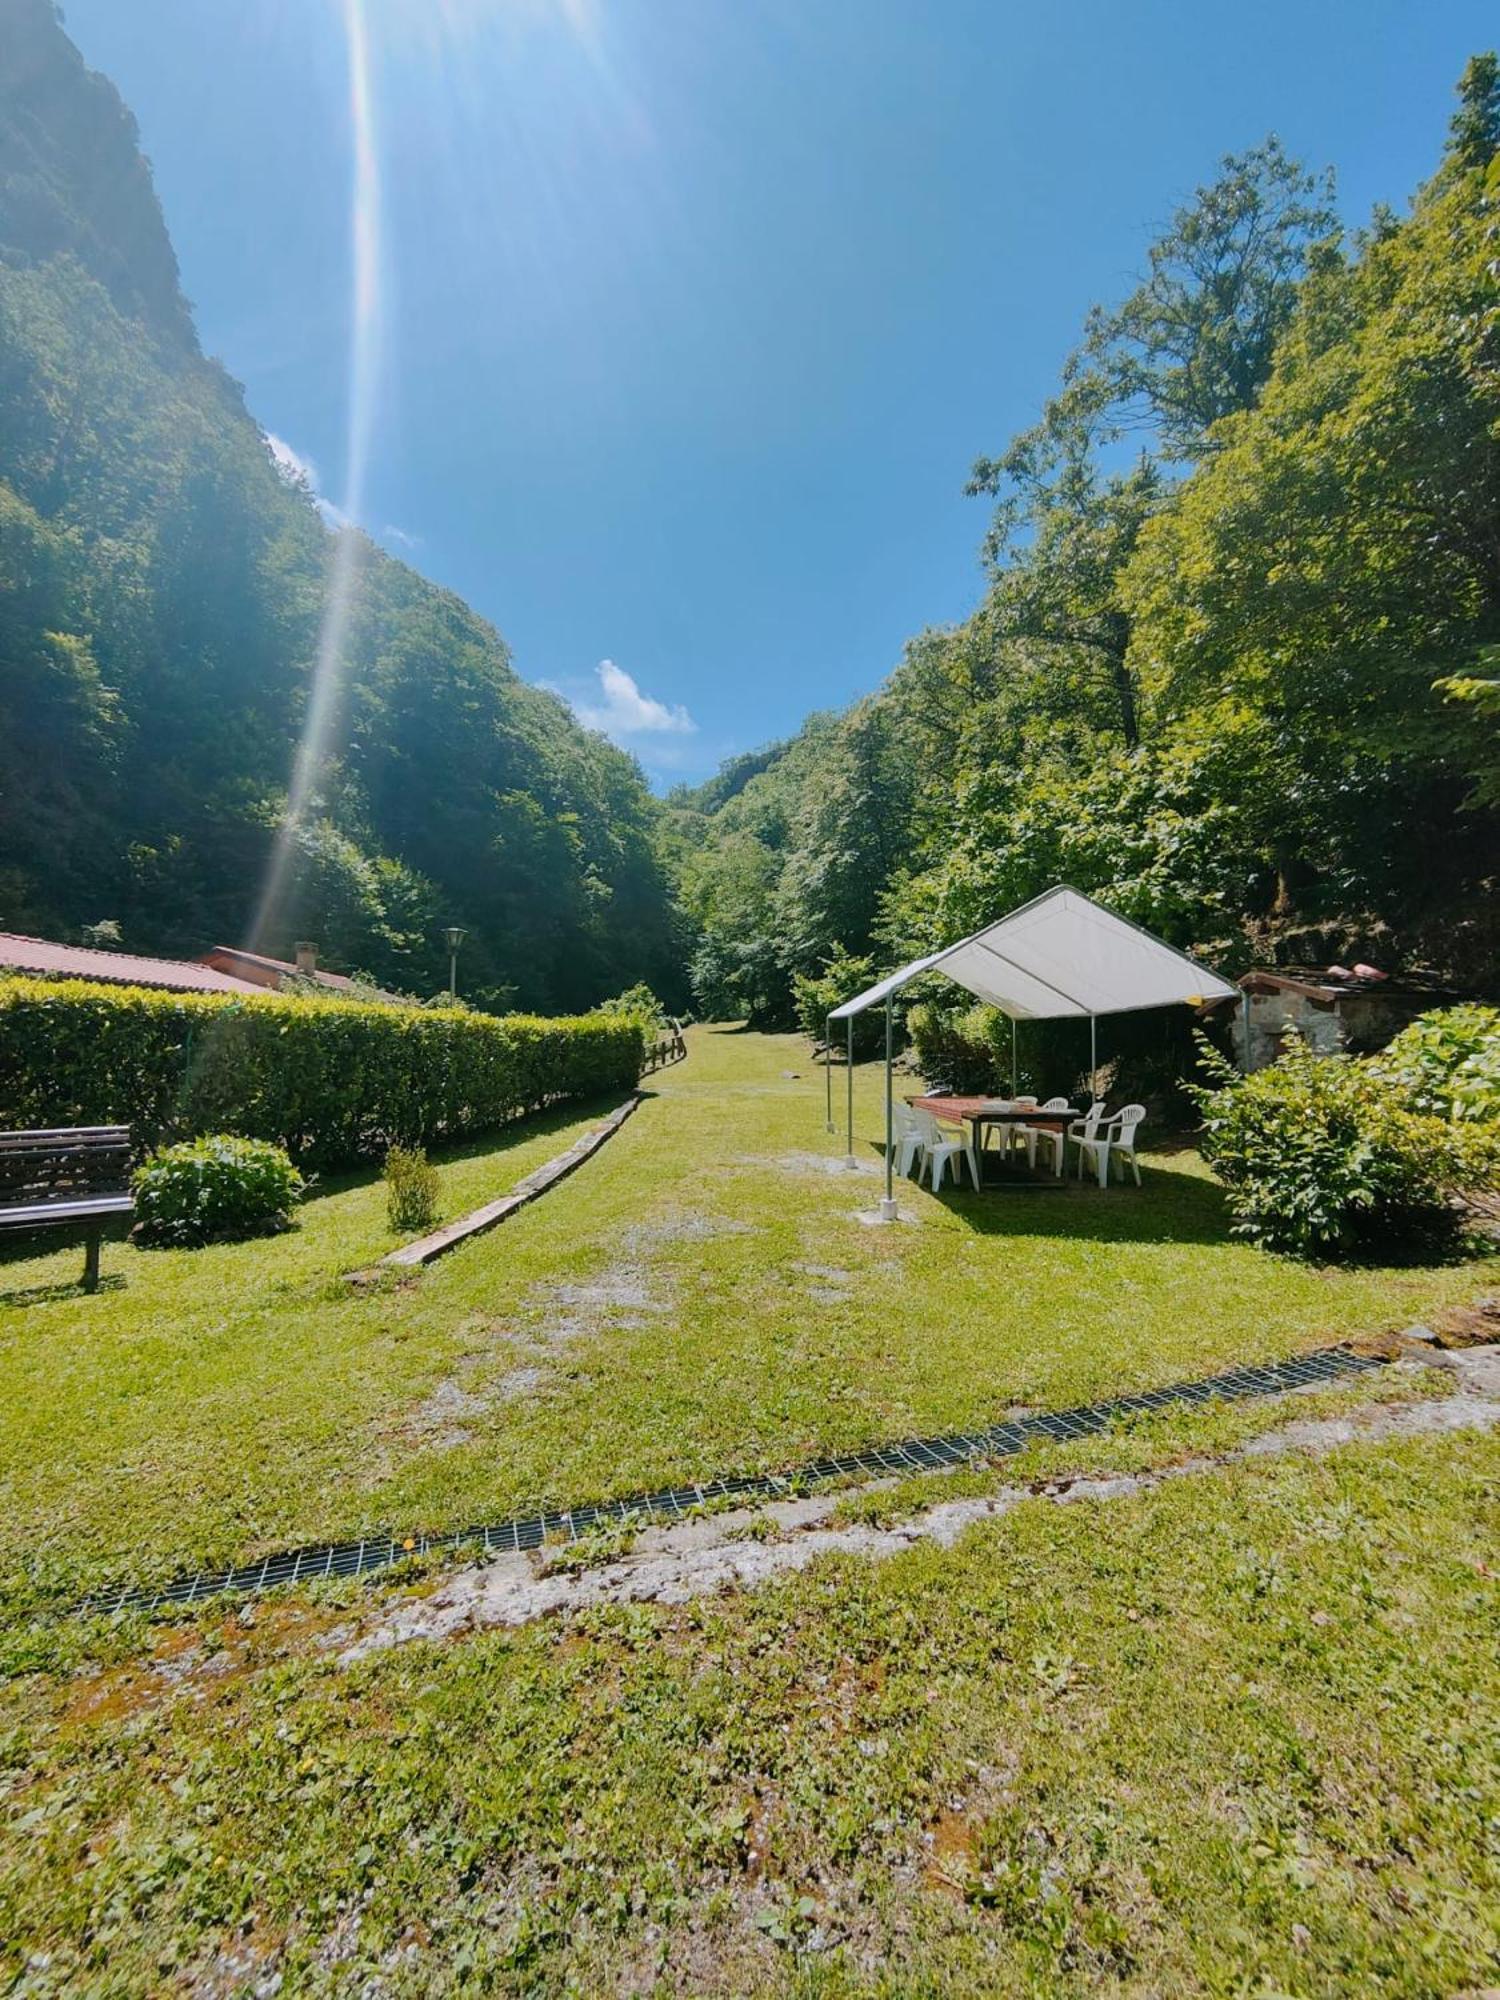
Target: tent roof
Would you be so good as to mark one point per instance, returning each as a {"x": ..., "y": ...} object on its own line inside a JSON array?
[
  {"x": 1062, "y": 954},
  {"x": 874, "y": 995}
]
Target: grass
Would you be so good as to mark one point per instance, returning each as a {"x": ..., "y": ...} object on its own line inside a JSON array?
[
  {"x": 697, "y": 1299},
  {"x": 1236, "y": 1735}
]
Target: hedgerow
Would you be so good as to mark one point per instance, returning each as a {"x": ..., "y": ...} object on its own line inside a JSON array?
[{"x": 331, "y": 1083}]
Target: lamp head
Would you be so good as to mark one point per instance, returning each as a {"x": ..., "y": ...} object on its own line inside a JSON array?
[{"x": 455, "y": 934}]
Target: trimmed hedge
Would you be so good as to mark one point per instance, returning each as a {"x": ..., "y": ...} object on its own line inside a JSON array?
[{"x": 332, "y": 1082}]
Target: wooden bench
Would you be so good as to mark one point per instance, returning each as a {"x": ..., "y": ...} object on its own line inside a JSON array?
[{"x": 76, "y": 1177}]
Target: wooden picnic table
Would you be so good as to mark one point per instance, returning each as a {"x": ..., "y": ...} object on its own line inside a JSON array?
[{"x": 985, "y": 1114}]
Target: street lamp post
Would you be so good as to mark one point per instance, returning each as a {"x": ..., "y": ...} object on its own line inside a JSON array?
[{"x": 455, "y": 934}]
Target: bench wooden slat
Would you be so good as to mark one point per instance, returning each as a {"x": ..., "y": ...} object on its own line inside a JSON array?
[
  {"x": 87, "y": 1209},
  {"x": 67, "y": 1135}
]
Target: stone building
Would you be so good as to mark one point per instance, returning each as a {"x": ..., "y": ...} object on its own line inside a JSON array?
[{"x": 1336, "y": 1009}]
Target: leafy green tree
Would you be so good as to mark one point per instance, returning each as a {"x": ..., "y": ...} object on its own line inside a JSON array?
[{"x": 1336, "y": 557}]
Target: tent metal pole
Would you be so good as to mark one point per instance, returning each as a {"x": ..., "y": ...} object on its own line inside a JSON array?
[
  {"x": 888, "y": 1206},
  {"x": 1093, "y": 1060},
  {"x": 1015, "y": 1071},
  {"x": 828, "y": 1071},
  {"x": 849, "y": 1094}
]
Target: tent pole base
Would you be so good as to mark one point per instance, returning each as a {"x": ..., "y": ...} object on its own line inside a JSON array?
[{"x": 888, "y": 1209}]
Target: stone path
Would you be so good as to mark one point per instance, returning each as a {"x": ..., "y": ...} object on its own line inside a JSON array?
[{"x": 674, "y": 1564}]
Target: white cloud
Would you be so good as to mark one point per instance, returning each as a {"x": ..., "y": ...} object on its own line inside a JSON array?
[
  {"x": 297, "y": 469},
  {"x": 625, "y": 711},
  {"x": 290, "y": 463}
]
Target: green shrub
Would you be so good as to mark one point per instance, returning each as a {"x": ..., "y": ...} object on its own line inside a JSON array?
[
  {"x": 1321, "y": 1158},
  {"x": 214, "y": 1190},
  {"x": 331, "y": 1083},
  {"x": 966, "y": 1048},
  {"x": 411, "y": 1190},
  {"x": 1448, "y": 1062},
  {"x": 638, "y": 1003},
  {"x": 816, "y": 995}
]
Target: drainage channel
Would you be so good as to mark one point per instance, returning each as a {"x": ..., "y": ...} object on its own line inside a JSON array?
[{"x": 530, "y": 1531}]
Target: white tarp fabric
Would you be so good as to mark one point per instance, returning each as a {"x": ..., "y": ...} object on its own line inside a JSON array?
[
  {"x": 874, "y": 996},
  {"x": 1062, "y": 954}
]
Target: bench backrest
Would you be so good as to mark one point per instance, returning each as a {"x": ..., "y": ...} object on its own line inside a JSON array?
[{"x": 64, "y": 1164}]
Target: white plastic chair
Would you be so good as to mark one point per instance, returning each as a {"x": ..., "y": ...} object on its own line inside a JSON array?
[
  {"x": 1081, "y": 1129},
  {"x": 1037, "y": 1136},
  {"x": 1114, "y": 1139},
  {"x": 938, "y": 1151},
  {"x": 908, "y": 1140}
]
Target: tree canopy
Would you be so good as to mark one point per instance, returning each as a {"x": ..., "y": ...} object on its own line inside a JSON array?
[{"x": 1234, "y": 668}]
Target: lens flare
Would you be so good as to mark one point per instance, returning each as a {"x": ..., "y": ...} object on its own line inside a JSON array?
[{"x": 348, "y": 549}]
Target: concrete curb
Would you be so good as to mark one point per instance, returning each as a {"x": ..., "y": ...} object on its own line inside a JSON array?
[{"x": 412, "y": 1256}]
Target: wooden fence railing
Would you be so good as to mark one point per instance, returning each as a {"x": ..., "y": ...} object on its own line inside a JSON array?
[{"x": 668, "y": 1048}]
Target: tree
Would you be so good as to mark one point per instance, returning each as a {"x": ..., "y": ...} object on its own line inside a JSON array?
[
  {"x": 1339, "y": 553},
  {"x": 1191, "y": 345},
  {"x": 1474, "y": 134},
  {"x": 1195, "y": 341}
]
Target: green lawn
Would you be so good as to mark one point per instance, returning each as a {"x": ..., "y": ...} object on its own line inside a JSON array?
[
  {"x": 1236, "y": 1736},
  {"x": 699, "y": 1298}
]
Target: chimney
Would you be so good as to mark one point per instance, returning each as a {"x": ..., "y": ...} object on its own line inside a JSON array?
[{"x": 307, "y": 958}]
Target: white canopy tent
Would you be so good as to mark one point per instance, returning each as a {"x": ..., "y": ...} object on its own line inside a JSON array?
[{"x": 1061, "y": 955}]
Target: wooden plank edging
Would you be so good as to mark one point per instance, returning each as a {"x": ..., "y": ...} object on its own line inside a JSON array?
[{"x": 424, "y": 1249}]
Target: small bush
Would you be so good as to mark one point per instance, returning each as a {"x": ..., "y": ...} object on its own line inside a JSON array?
[
  {"x": 966, "y": 1049},
  {"x": 638, "y": 1003},
  {"x": 1322, "y": 1158},
  {"x": 411, "y": 1190},
  {"x": 214, "y": 1190},
  {"x": 1448, "y": 1062},
  {"x": 816, "y": 996}
]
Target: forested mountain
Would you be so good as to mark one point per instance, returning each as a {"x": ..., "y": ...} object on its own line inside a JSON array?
[
  {"x": 1235, "y": 667},
  {"x": 161, "y": 589}
]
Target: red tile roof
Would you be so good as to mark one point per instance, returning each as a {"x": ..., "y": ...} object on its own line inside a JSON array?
[{"x": 122, "y": 968}]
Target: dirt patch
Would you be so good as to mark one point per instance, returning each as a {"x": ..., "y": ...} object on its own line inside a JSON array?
[
  {"x": 633, "y": 1291},
  {"x": 437, "y": 1424},
  {"x": 820, "y": 1164},
  {"x": 625, "y": 1288},
  {"x": 518, "y": 1384},
  {"x": 830, "y": 1286},
  {"x": 688, "y": 1226}
]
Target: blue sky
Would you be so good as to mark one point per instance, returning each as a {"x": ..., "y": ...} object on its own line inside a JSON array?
[{"x": 694, "y": 313}]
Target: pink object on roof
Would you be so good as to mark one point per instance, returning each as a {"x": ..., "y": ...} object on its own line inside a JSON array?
[
  {"x": 1370, "y": 972},
  {"x": 259, "y": 970},
  {"x": 47, "y": 960}
]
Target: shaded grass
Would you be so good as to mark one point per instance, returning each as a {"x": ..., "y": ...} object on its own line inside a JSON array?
[
  {"x": 698, "y": 1299},
  {"x": 1237, "y": 1735}
]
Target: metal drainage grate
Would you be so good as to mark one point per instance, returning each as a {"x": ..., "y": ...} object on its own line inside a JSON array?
[{"x": 529, "y": 1531}]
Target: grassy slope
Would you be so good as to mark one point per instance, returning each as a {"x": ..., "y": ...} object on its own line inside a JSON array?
[
  {"x": 1237, "y": 1735},
  {"x": 689, "y": 1303}
]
